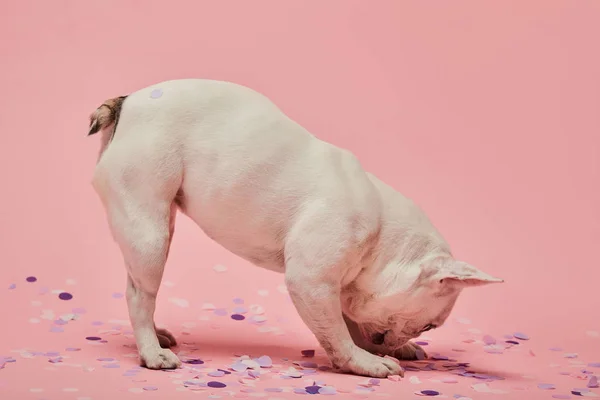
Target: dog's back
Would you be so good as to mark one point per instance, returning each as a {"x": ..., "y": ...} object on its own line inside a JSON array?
[{"x": 243, "y": 169}]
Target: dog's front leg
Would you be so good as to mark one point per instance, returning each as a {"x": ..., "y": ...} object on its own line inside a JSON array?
[{"x": 317, "y": 300}]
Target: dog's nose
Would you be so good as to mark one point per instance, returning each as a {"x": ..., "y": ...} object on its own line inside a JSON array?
[{"x": 378, "y": 338}]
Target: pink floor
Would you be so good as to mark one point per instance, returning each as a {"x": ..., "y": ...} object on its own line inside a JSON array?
[{"x": 486, "y": 113}]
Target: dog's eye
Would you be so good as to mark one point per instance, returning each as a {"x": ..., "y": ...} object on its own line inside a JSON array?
[{"x": 427, "y": 328}]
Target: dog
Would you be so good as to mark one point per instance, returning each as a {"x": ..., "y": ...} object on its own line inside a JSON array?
[{"x": 365, "y": 268}]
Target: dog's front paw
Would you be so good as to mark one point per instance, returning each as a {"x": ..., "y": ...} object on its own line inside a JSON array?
[
  {"x": 410, "y": 351},
  {"x": 366, "y": 364},
  {"x": 160, "y": 359}
]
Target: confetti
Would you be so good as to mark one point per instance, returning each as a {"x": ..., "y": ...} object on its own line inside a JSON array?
[
  {"x": 428, "y": 393},
  {"x": 219, "y": 268},
  {"x": 308, "y": 353},
  {"x": 520, "y": 336},
  {"x": 31, "y": 279},
  {"x": 156, "y": 93},
  {"x": 65, "y": 296}
]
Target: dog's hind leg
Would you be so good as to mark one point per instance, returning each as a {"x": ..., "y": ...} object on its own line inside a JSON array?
[{"x": 138, "y": 192}]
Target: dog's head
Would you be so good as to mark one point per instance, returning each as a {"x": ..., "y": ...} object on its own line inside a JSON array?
[{"x": 401, "y": 302}]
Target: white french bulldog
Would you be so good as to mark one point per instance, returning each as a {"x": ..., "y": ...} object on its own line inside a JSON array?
[{"x": 363, "y": 265}]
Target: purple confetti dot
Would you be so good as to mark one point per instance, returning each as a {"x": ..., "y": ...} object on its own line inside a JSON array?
[
  {"x": 150, "y": 388},
  {"x": 238, "y": 317},
  {"x": 221, "y": 312},
  {"x": 65, "y": 296},
  {"x": 521, "y": 336},
  {"x": 429, "y": 393},
  {"x": 194, "y": 361},
  {"x": 561, "y": 396},
  {"x": 215, "y": 384},
  {"x": 237, "y": 300},
  {"x": 72, "y": 349},
  {"x": 240, "y": 310},
  {"x": 274, "y": 390},
  {"x": 97, "y": 323},
  {"x": 12, "y": 286},
  {"x": 216, "y": 374},
  {"x": 309, "y": 364},
  {"x": 93, "y": 338},
  {"x": 594, "y": 365},
  {"x": 226, "y": 372},
  {"x": 111, "y": 366},
  {"x": 156, "y": 93},
  {"x": 556, "y": 349},
  {"x": 576, "y": 393},
  {"x": 79, "y": 310},
  {"x": 327, "y": 390},
  {"x": 265, "y": 361},
  {"x": 422, "y": 343},
  {"x": 593, "y": 383},
  {"x": 239, "y": 367},
  {"x": 31, "y": 279},
  {"x": 312, "y": 389},
  {"x": 546, "y": 386},
  {"x": 489, "y": 340},
  {"x": 512, "y": 342},
  {"x": 105, "y": 359},
  {"x": 57, "y": 329},
  {"x": 308, "y": 353},
  {"x": 117, "y": 295}
]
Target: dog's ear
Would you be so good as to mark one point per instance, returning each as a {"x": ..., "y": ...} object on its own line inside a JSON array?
[{"x": 461, "y": 274}]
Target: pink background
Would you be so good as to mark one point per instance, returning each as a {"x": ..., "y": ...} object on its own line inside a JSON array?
[{"x": 486, "y": 113}]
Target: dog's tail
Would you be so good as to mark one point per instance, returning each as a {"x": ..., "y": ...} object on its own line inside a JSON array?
[{"x": 106, "y": 115}]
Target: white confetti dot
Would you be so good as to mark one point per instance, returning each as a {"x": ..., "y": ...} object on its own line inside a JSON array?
[
  {"x": 208, "y": 306},
  {"x": 414, "y": 380},
  {"x": 168, "y": 283},
  {"x": 180, "y": 302},
  {"x": 34, "y": 320},
  {"x": 36, "y": 390},
  {"x": 220, "y": 268},
  {"x": 256, "y": 309},
  {"x": 282, "y": 289},
  {"x": 71, "y": 282},
  {"x": 36, "y": 303},
  {"x": 70, "y": 390},
  {"x": 136, "y": 390},
  {"x": 263, "y": 292},
  {"x": 593, "y": 334}
]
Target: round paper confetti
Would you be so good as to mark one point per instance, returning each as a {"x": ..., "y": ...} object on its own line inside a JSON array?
[
  {"x": 308, "y": 353},
  {"x": 215, "y": 384},
  {"x": 546, "y": 386},
  {"x": 65, "y": 296},
  {"x": 93, "y": 338},
  {"x": 521, "y": 336},
  {"x": 238, "y": 317},
  {"x": 428, "y": 393},
  {"x": 31, "y": 279},
  {"x": 312, "y": 389},
  {"x": 156, "y": 93}
]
